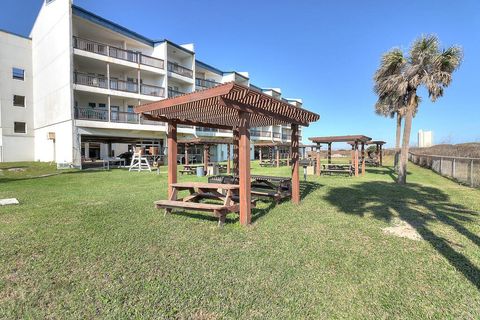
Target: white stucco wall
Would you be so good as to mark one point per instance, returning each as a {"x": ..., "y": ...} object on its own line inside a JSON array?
[
  {"x": 52, "y": 89},
  {"x": 15, "y": 51}
]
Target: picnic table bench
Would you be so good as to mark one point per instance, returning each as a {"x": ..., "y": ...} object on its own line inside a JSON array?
[
  {"x": 330, "y": 168},
  {"x": 200, "y": 191},
  {"x": 276, "y": 188}
]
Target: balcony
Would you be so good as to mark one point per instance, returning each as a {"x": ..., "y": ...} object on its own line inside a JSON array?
[
  {"x": 99, "y": 114},
  {"x": 178, "y": 69},
  {"x": 276, "y": 135},
  {"x": 90, "y": 80},
  {"x": 91, "y": 114},
  {"x": 150, "y": 90},
  {"x": 96, "y": 81},
  {"x": 118, "y": 53},
  {"x": 286, "y": 137},
  {"x": 122, "y": 85},
  {"x": 201, "y": 84},
  {"x": 174, "y": 93}
]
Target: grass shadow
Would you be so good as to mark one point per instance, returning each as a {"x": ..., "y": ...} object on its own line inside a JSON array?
[{"x": 420, "y": 206}]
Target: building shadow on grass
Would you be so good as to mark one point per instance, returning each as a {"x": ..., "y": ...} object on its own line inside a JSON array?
[{"x": 421, "y": 207}]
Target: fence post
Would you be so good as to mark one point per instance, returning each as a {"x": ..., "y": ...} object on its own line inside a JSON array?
[
  {"x": 441, "y": 160},
  {"x": 471, "y": 173},
  {"x": 453, "y": 168}
]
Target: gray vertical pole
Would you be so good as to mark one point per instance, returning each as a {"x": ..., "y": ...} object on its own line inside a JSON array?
[{"x": 441, "y": 160}]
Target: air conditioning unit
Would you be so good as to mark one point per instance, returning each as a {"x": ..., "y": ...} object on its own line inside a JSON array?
[{"x": 64, "y": 165}]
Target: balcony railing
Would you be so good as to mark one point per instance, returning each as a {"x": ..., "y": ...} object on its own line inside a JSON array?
[
  {"x": 259, "y": 133},
  {"x": 152, "y": 62},
  {"x": 178, "y": 69},
  {"x": 118, "y": 53},
  {"x": 276, "y": 135},
  {"x": 286, "y": 137},
  {"x": 152, "y": 90},
  {"x": 91, "y": 114},
  {"x": 121, "y": 85},
  {"x": 90, "y": 80},
  {"x": 205, "y": 84},
  {"x": 174, "y": 93},
  {"x": 124, "y": 117}
]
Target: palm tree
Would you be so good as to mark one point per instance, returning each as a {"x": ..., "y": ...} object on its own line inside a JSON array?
[{"x": 399, "y": 77}]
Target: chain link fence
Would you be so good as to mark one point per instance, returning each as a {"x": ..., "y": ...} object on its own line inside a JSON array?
[{"x": 463, "y": 170}]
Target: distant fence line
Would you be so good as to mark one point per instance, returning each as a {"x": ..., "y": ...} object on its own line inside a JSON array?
[{"x": 464, "y": 170}]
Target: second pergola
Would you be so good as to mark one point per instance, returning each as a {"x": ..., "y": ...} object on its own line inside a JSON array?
[
  {"x": 357, "y": 141},
  {"x": 230, "y": 106}
]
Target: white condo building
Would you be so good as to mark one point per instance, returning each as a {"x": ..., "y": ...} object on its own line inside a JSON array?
[
  {"x": 67, "y": 92},
  {"x": 425, "y": 139}
]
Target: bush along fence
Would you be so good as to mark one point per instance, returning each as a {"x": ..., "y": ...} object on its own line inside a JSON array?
[{"x": 463, "y": 170}]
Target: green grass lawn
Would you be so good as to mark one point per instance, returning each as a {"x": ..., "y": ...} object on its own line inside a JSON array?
[{"x": 90, "y": 245}]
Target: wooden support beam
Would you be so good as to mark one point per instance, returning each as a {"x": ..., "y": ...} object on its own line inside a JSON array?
[
  {"x": 205, "y": 158},
  {"x": 381, "y": 155},
  {"x": 363, "y": 158},
  {"x": 329, "y": 153},
  {"x": 277, "y": 156},
  {"x": 186, "y": 154},
  {"x": 244, "y": 169},
  {"x": 260, "y": 153},
  {"x": 172, "y": 156},
  {"x": 236, "y": 139},
  {"x": 318, "y": 169},
  {"x": 228, "y": 158},
  {"x": 295, "y": 165},
  {"x": 356, "y": 159}
]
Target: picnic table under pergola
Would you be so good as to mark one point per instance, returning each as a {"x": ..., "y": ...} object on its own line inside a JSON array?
[
  {"x": 378, "y": 149},
  {"x": 354, "y": 140},
  {"x": 207, "y": 142},
  {"x": 273, "y": 156},
  {"x": 229, "y": 106}
]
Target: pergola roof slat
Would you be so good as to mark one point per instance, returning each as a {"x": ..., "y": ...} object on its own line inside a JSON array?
[{"x": 220, "y": 105}]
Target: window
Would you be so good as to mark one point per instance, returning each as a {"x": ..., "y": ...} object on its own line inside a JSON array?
[
  {"x": 18, "y": 74},
  {"x": 102, "y": 105},
  {"x": 18, "y": 101},
  {"x": 19, "y": 127},
  {"x": 48, "y": 1},
  {"x": 92, "y": 104}
]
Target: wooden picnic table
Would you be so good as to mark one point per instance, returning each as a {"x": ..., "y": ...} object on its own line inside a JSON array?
[
  {"x": 337, "y": 168},
  {"x": 226, "y": 193}
]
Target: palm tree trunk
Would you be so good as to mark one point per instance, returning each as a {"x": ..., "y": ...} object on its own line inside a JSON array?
[
  {"x": 397, "y": 141},
  {"x": 402, "y": 170}
]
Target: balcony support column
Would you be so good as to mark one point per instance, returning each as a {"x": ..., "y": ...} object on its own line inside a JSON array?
[
  {"x": 138, "y": 80},
  {"x": 108, "y": 76},
  {"x": 109, "y": 102}
]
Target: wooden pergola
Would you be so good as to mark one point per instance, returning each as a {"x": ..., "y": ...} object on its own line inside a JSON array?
[
  {"x": 234, "y": 107},
  {"x": 379, "y": 146},
  {"x": 273, "y": 146},
  {"x": 206, "y": 142},
  {"x": 354, "y": 140}
]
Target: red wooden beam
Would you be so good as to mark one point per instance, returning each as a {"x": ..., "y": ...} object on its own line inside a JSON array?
[
  {"x": 244, "y": 169},
  {"x": 295, "y": 165},
  {"x": 172, "y": 156}
]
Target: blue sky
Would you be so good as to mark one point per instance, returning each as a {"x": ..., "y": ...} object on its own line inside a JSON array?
[{"x": 322, "y": 51}]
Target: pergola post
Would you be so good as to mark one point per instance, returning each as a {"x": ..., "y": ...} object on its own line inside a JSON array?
[
  {"x": 244, "y": 165},
  {"x": 329, "y": 153},
  {"x": 260, "y": 153},
  {"x": 363, "y": 158},
  {"x": 236, "y": 139},
  {"x": 318, "y": 160},
  {"x": 172, "y": 156},
  {"x": 277, "y": 149},
  {"x": 356, "y": 159},
  {"x": 381, "y": 156},
  {"x": 295, "y": 165},
  {"x": 186, "y": 154},
  {"x": 205, "y": 157},
  {"x": 228, "y": 158}
]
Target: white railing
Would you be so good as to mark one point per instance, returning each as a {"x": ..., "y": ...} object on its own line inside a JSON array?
[{"x": 461, "y": 169}]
